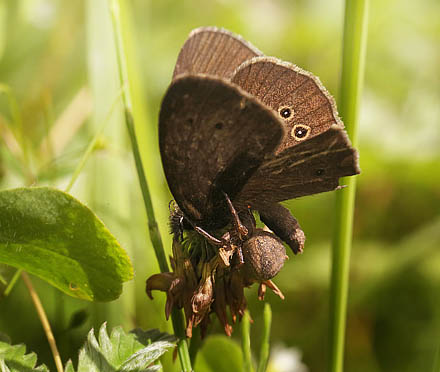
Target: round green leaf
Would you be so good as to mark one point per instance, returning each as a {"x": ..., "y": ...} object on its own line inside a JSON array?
[
  {"x": 52, "y": 235},
  {"x": 219, "y": 354}
]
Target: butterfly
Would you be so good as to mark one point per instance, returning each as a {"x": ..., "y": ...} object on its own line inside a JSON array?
[{"x": 240, "y": 131}]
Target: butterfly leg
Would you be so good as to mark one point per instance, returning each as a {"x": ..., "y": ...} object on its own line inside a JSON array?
[
  {"x": 238, "y": 225},
  {"x": 223, "y": 244},
  {"x": 243, "y": 231},
  {"x": 284, "y": 225},
  {"x": 211, "y": 239}
]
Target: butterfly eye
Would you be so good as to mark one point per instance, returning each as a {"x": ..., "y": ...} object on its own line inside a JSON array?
[
  {"x": 319, "y": 172},
  {"x": 300, "y": 132},
  {"x": 286, "y": 112}
]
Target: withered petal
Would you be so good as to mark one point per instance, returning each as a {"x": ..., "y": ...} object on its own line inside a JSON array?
[
  {"x": 189, "y": 327},
  {"x": 274, "y": 288},
  {"x": 160, "y": 282},
  {"x": 262, "y": 291},
  {"x": 169, "y": 306}
]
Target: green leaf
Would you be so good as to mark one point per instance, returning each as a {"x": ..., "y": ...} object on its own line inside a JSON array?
[
  {"x": 219, "y": 354},
  {"x": 52, "y": 235},
  {"x": 122, "y": 352},
  {"x": 13, "y": 358}
]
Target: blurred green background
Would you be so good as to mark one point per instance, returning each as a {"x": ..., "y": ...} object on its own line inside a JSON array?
[{"x": 58, "y": 60}]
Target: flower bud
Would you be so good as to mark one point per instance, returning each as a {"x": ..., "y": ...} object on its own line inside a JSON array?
[{"x": 264, "y": 255}]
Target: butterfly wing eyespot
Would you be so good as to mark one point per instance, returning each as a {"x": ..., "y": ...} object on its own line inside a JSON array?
[
  {"x": 286, "y": 112},
  {"x": 300, "y": 132}
]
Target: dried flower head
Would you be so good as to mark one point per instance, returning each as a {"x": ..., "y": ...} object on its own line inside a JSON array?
[{"x": 209, "y": 275}]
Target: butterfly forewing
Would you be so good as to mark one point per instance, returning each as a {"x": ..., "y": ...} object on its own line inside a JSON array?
[
  {"x": 213, "y": 136},
  {"x": 298, "y": 97},
  {"x": 213, "y": 51}
]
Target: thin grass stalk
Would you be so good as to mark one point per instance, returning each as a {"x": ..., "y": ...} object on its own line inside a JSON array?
[
  {"x": 129, "y": 121},
  {"x": 265, "y": 340},
  {"x": 44, "y": 321},
  {"x": 11, "y": 284},
  {"x": 353, "y": 62},
  {"x": 246, "y": 342},
  {"x": 153, "y": 228},
  {"x": 177, "y": 317}
]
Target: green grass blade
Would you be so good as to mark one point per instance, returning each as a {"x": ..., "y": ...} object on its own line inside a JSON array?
[
  {"x": 155, "y": 236},
  {"x": 353, "y": 60},
  {"x": 265, "y": 340},
  {"x": 12, "y": 283},
  {"x": 129, "y": 120},
  {"x": 246, "y": 342},
  {"x": 152, "y": 223}
]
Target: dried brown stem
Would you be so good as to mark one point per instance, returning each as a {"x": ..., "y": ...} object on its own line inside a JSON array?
[{"x": 44, "y": 321}]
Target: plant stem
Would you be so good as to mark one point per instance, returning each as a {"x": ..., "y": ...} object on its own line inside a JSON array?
[
  {"x": 265, "y": 341},
  {"x": 12, "y": 282},
  {"x": 44, "y": 321},
  {"x": 194, "y": 346},
  {"x": 182, "y": 344},
  {"x": 152, "y": 224},
  {"x": 246, "y": 342},
  {"x": 176, "y": 315},
  {"x": 353, "y": 60}
]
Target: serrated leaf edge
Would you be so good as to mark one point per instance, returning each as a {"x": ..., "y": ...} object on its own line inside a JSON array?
[{"x": 149, "y": 354}]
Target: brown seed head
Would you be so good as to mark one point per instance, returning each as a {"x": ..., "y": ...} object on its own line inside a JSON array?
[{"x": 264, "y": 256}]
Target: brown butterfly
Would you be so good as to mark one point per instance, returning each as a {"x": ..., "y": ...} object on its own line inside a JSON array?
[{"x": 254, "y": 128}]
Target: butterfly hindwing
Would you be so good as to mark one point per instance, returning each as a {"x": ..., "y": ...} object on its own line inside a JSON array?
[
  {"x": 311, "y": 167},
  {"x": 315, "y": 151},
  {"x": 298, "y": 97}
]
